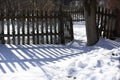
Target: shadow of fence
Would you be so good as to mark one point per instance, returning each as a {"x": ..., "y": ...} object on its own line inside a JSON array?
[{"x": 23, "y": 57}]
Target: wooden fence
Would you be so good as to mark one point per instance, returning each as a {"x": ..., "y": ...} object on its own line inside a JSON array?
[
  {"x": 105, "y": 22},
  {"x": 77, "y": 14},
  {"x": 36, "y": 28}
]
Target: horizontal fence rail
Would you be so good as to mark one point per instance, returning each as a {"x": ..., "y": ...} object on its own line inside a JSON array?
[{"x": 36, "y": 28}]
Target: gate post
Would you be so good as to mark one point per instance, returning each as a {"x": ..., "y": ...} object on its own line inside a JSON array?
[
  {"x": 61, "y": 26},
  {"x": 90, "y": 18}
]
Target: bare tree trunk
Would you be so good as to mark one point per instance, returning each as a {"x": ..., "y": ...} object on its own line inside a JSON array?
[{"x": 90, "y": 17}]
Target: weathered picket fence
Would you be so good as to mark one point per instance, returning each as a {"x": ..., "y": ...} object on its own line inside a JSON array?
[
  {"x": 105, "y": 22},
  {"x": 77, "y": 14},
  {"x": 33, "y": 27}
]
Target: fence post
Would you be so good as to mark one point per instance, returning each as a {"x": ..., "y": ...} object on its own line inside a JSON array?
[
  {"x": 61, "y": 26},
  {"x": 71, "y": 28}
]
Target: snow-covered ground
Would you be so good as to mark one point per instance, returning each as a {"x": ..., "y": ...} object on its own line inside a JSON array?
[{"x": 73, "y": 61}]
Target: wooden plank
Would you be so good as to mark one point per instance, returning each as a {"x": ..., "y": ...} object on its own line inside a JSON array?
[
  {"x": 98, "y": 21},
  {"x": 13, "y": 30},
  {"x": 28, "y": 28},
  {"x": 46, "y": 27},
  {"x": 71, "y": 29},
  {"x": 104, "y": 24},
  {"x": 42, "y": 28},
  {"x": 61, "y": 27},
  {"x": 18, "y": 31},
  {"x": 108, "y": 25},
  {"x": 33, "y": 28},
  {"x": 23, "y": 29},
  {"x": 55, "y": 30},
  {"x": 5, "y": 35},
  {"x": 101, "y": 24},
  {"x": 111, "y": 22},
  {"x": 37, "y": 27},
  {"x": 2, "y": 24},
  {"x": 8, "y": 30},
  {"x": 51, "y": 26}
]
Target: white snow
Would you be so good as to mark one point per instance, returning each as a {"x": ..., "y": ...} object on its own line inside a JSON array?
[{"x": 73, "y": 61}]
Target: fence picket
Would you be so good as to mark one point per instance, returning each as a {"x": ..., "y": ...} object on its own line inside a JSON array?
[
  {"x": 107, "y": 25},
  {"x": 42, "y": 28},
  {"x": 13, "y": 30},
  {"x": 46, "y": 26},
  {"x": 8, "y": 29},
  {"x": 23, "y": 29},
  {"x": 28, "y": 28},
  {"x": 55, "y": 29},
  {"x": 33, "y": 28},
  {"x": 51, "y": 29},
  {"x": 18, "y": 30},
  {"x": 104, "y": 22},
  {"x": 2, "y": 24},
  {"x": 37, "y": 27}
]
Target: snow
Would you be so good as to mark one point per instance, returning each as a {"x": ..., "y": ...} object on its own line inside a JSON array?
[{"x": 73, "y": 61}]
